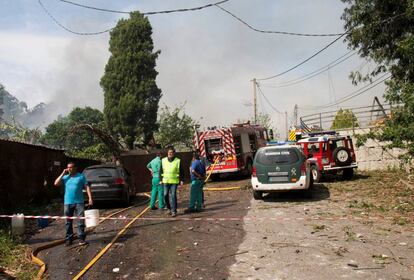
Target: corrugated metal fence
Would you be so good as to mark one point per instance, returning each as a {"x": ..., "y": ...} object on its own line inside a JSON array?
[
  {"x": 27, "y": 173},
  {"x": 137, "y": 166}
]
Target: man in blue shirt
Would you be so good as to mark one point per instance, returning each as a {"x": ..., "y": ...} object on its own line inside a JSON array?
[
  {"x": 198, "y": 172},
  {"x": 74, "y": 183}
]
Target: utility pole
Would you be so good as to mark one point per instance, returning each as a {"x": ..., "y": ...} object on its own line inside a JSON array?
[
  {"x": 254, "y": 100},
  {"x": 286, "y": 126},
  {"x": 1, "y": 106},
  {"x": 295, "y": 115}
]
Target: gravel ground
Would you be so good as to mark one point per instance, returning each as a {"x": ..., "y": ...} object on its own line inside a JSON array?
[
  {"x": 360, "y": 229},
  {"x": 322, "y": 238}
]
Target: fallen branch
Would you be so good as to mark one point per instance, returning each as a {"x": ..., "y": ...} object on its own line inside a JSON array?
[{"x": 231, "y": 255}]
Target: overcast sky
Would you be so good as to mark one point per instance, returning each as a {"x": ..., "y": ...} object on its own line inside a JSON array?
[{"x": 207, "y": 57}]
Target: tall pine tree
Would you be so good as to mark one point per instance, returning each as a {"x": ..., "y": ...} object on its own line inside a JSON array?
[{"x": 130, "y": 90}]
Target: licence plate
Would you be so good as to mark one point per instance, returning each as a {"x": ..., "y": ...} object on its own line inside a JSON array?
[
  {"x": 99, "y": 185},
  {"x": 278, "y": 179}
]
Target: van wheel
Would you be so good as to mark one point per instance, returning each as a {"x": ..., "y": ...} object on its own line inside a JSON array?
[
  {"x": 316, "y": 174},
  {"x": 214, "y": 177},
  {"x": 348, "y": 174},
  {"x": 249, "y": 168},
  {"x": 307, "y": 193},
  {"x": 257, "y": 195}
]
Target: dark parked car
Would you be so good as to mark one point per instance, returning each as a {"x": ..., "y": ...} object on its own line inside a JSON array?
[{"x": 109, "y": 182}]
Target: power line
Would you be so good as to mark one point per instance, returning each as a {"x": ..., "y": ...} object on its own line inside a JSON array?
[
  {"x": 199, "y": 8},
  {"x": 94, "y": 8},
  {"x": 277, "y": 32},
  {"x": 303, "y": 62},
  {"x": 67, "y": 29},
  {"x": 145, "y": 13},
  {"x": 267, "y": 100},
  {"x": 115, "y": 11},
  {"x": 324, "y": 48},
  {"x": 352, "y": 94},
  {"x": 314, "y": 73}
]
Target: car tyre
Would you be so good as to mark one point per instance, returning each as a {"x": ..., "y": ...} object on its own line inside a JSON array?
[
  {"x": 342, "y": 156},
  {"x": 348, "y": 174},
  {"x": 257, "y": 195},
  {"x": 127, "y": 199},
  {"x": 308, "y": 192},
  {"x": 214, "y": 177},
  {"x": 316, "y": 174},
  {"x": 249, "y": 168}
]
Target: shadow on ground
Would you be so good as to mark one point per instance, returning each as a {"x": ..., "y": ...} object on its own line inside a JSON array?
[
  {"x": 338, "y": 178},
  {"x": 319, "y": 192}
]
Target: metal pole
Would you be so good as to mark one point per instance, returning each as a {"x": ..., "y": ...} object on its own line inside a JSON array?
[
  {"x": 320, "y": 121},
  {"x": 286, "y": 125},
  {"x": 254, "y": 101},
  {"x": 296, "y": 115}
]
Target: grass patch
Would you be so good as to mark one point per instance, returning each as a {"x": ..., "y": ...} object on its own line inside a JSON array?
[
  {"x": 15, "y": 257},
  {"x": 350, "y": 234},
  {"x": 383, "y": 193},
  {"x": 381, "y": 259},
  {"x": 318, "y": 227}
]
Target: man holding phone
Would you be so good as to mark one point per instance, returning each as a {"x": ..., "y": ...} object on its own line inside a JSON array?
[{"x": 74, "y": 183}]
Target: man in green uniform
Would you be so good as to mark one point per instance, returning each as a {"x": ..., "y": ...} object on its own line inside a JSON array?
[
  {"x": 157, "y": 189},
  {"x": 171, "y": 174}
]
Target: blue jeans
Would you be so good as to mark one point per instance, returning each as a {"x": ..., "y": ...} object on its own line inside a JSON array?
[
  {"x": 69, "y": 211},
  {"x": 170, "y": 196}
]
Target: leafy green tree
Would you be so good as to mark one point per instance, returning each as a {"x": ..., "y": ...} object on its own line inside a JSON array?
[
  {"x": 265, "y": 120},
  {"x": 383, "y": 31},
  {"x": 20, "y": 133},
  {"x": 344, "y": 119},
  {"x": 80, "y": 143},
  {"x": 130, "y": 91},
  {"x": 175, "y": 127}
]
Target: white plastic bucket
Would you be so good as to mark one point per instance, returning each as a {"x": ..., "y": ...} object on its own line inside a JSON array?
[
  {"x": 17, "y": 224},
  {"x": 91, "y": 218}
]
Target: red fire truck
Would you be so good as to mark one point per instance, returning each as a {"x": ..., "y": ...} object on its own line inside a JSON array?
[{"x": 232, "y": 149}]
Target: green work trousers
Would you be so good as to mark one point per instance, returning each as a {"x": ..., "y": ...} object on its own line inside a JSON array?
[
  {"x": 157, "y": 189},
  {"x": 196, "y": 195}
]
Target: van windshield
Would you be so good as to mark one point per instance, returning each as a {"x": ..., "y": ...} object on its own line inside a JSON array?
[{"x": 277, "y": 156}]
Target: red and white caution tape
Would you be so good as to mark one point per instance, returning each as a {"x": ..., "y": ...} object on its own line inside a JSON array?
[{"x": 253, "y": 219}]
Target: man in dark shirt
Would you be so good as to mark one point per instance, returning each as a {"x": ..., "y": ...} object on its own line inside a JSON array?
[{"x": 198, "y": 172}]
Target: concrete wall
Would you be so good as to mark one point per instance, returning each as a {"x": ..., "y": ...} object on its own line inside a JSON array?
[{"x": 372, "y": 156}]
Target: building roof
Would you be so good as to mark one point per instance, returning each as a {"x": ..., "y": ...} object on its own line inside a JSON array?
[{"x": 30, "y": 144}]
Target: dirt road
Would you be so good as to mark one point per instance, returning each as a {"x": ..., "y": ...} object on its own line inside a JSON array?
[
  {"x": 285, "y": 236},
  {"x": 321, "y": 239}
]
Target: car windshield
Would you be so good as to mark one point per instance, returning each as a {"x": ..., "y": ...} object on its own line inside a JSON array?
[
  {"x": 277, "y": 156},
  {"x": 99, "y": 173}
]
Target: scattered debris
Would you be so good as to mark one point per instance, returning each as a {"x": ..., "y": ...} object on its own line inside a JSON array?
[
  {"x": 341, "y": 251},
  {"x": 115, "y": 270},
  {"x": 352, "y": 264}
]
